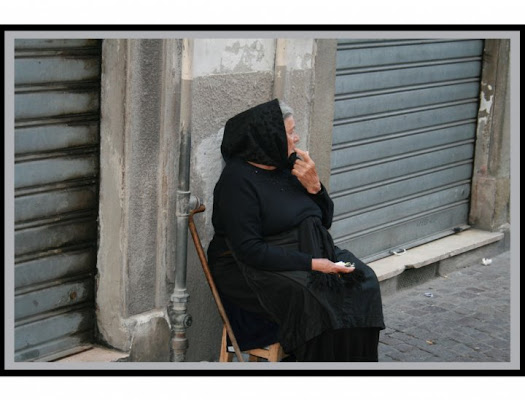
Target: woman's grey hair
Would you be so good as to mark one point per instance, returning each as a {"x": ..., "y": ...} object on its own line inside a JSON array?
[{"x": 285, "y": 109}]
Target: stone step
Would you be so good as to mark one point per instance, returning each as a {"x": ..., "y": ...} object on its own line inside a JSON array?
[{"x": 448, "y": 253}]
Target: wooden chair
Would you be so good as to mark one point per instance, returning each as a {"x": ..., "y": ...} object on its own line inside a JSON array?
[{"x": 271, "y": 353}]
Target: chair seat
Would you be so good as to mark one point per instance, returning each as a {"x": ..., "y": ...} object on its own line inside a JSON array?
[{"x": 271, "y": 353}]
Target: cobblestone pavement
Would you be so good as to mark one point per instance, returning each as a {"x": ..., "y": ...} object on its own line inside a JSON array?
[{"x": 461, "y": 317}]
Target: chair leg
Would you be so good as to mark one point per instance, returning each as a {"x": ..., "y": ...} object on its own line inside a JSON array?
[
  {"x": 275, "y": 353},
  {"x": 225, "y": 356}
]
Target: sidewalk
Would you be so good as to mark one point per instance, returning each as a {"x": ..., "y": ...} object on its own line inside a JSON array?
[{"x": 461, "y": 317}]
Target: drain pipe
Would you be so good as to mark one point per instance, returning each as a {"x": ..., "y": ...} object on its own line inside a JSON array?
[{"x": 177, "y": 309}]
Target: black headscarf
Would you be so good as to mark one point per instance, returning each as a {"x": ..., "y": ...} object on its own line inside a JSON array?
[{"x": 258, "y": 135}]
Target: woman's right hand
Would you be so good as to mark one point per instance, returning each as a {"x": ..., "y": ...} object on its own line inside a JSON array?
[{"x": 328, "y": 267}]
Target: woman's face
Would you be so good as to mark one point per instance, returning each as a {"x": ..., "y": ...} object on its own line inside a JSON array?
[{"x": 291, "y": 135}]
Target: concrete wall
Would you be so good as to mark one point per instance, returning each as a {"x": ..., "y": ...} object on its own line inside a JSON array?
[
  {"x": 140, "y": 139},
  {"x": 229, "y": 77}
]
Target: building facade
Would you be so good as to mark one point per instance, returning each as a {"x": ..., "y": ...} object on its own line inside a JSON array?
[{"x": 411, "y": 137}]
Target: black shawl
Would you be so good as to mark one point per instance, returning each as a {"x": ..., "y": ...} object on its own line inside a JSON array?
[{"x": 257, "y": 135}]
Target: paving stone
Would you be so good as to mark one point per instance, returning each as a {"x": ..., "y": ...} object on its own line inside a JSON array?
[{"x": 466, "y": 319}]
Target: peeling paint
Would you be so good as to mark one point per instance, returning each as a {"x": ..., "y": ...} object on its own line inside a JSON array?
[
  {"x": 246, "y": 55},
  {"x": 486, "y": 101},
  {"x": 224, "y": 56},
  {"x": 300, "y": 54}
]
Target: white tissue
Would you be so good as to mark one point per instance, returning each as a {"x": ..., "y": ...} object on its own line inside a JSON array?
[{"x": 345, "y": 264}]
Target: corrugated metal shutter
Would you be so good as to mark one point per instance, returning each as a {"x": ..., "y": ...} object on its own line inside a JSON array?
[
  {"x": 57, "y": 90},
  {"x": 403, "y": 141}
]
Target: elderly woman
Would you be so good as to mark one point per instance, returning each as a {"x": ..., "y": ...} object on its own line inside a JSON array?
[{"x": 276, "y": 267}]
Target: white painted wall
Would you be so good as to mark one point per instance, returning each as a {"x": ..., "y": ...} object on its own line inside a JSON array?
[{"x": 227, "y": 56}]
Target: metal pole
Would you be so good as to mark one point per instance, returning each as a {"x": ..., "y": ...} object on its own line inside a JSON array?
[{"x": 177, "y": 310}]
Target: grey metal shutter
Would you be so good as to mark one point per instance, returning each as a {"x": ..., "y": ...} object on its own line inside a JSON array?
[
  {"x": 57, "y": 90},
  {"x": 403, "y": 141}
]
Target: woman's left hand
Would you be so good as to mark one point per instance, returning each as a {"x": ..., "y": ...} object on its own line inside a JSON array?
[{"x": 306, "y": 173}]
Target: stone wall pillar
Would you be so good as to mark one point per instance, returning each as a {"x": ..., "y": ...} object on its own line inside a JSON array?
[
  {"x": 490, "y": 200},
  {"x": 137, "y": 188},
  {"x": 322, "y": 106}
]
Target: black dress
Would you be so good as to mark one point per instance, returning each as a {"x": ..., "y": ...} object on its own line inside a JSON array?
[{"x": 267, "y": 230}]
